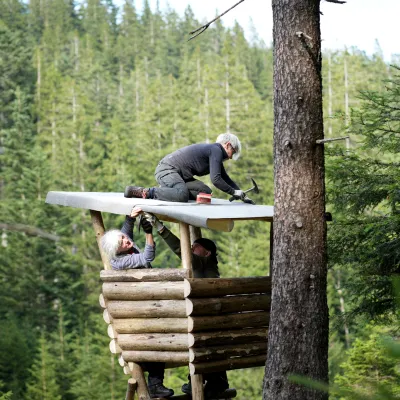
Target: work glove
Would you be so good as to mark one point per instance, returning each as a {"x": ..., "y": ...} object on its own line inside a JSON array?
[
  {"x": 154, "y": 221},
  {"x": 239, "y": 195},
  {"x": 146, "y": 225},
  {"x": 248, "y": 200}
]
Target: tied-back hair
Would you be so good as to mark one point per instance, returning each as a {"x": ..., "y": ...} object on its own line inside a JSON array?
[
  {"x": 233, "y": 140},
  {"x": 110, "y": 243}
]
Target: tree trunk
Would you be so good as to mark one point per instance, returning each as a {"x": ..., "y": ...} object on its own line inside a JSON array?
[{"x": 298, "y": 331}]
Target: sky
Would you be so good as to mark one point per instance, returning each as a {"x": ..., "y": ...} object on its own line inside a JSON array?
[{"x": 358, "y": 23}]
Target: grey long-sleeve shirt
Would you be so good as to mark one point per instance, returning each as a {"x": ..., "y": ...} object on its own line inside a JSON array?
[
  {"x": 135, "y": 258},
  {"x": 202, "y": 159}
]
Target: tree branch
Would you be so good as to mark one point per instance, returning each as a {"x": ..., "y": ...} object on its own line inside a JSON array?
[
  {"x": 29, "y": 230},
  {"x": 204, "y": 27}
]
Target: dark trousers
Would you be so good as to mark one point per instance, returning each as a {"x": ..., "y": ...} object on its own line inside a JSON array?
[
  {"x": 156, "y": 372},
  {"x": 174, "y": 188}
]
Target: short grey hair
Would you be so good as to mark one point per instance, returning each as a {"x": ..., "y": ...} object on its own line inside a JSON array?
[
  {"x": 110, "y": 243},
  {"x": 233, "y": 140}
]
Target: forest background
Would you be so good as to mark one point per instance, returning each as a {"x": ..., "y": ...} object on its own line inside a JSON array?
[{"x": 91, "y": 98}]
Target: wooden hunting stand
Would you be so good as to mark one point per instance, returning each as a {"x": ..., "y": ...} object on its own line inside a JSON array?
[{"x": 165, "y": 315}]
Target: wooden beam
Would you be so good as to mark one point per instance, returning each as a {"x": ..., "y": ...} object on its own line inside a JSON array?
[
  {"x": 98, "y": 226},
  {"x": 143, "y": 290},
  {"x": 195, "y": 233},
  {"x": 147, "y": 309},
  {"x": 224, "y": 365},
  {"x": 216, "y": 338},
  {"x": 197, "y": 387},
  {"x": 228, "y": 304},
  {"x": 138, "y": 375},
  {"x": 215, "y": 287},
  {"x": 155, "y": 356},
  {"x": 154, "y": 341},
  {"x": 131, "y": 389},
  {"x": 224, "y": 352},
  {"x": 224, "y": 225},
  {"x": 229, "y": 321},
  {"x": 144, "y": 275},
  {"x": 228, "y": 394},
  {"x": 186, "y": 248},
  {"x": 151, "y": 325}
]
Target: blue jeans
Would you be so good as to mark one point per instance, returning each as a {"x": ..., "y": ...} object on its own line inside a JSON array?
[{"x": 174, "y": 188}]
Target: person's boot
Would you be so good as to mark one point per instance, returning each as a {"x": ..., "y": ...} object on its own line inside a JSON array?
[
  {"x": 187, "y": 388},
  {"x": 212, "y": 391},
  {"x": 159, "y": 390},
  {"x": 136, "y": 191}
]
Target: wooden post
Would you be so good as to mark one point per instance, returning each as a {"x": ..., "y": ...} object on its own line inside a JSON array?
[
  {"x": 130, "y": 390},
  {"x": 195, "y": 233},
  {"x": 197, "y": 387},
  {"x": 99, "y": 230},
  {"x": 186, "y": 248},
  {"x": 186, "y": 252},
  {"x": 138, "y": 375}
]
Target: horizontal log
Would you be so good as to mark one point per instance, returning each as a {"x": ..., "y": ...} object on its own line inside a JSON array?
[
  {"x": 240, "y": 336},
  {"x": 224, "y": 352},
  {"x": 147, "y": 308},
  {"x": 102, "y": 301},
  {"x": 225, "y": 365},
  {"x": 228, "y": 394},
  {"x": 214, "y": 287},
  {"x": 156, "y": 356},
  {"x": 143, "y": 275},
  {"x": 151, "y": 325},
  {"x": 111, "y": 332},
  {"x": 228, "y": 321},
  {"x": 114, "y": 348},
  {"x": 143, "y": 290},
  {"x": 154, "y": 341},
  {"x": 228, "y": 304}
]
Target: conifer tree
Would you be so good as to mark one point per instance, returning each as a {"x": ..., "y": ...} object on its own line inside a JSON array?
[
  {"x": 42, "y": 384},
  {"x": 364, "y": 187}
]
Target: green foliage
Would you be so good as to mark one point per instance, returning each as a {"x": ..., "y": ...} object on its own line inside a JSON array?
[
  {"x": 369, "y": 369},
  {"x": 4, "y": 395},
  {"x": 42, "y": 384},
  {"x": 363, "y": 189}
]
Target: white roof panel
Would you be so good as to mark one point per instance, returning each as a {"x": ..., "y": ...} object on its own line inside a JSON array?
[{"x": 218, "y": 215}]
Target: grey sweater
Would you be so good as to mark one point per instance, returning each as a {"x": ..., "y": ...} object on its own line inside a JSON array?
[
  {"x": 135, "y": 259},
  {"x": 202, "y": 159}
]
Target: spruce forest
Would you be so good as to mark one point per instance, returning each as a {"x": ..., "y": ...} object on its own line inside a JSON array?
[{"x": 92, "y": 97}]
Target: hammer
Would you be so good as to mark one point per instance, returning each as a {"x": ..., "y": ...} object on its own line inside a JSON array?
[{"x": 255, "y": 188}]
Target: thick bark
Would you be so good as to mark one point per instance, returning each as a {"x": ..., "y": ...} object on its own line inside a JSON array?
[{"x": 298, "y": 330}]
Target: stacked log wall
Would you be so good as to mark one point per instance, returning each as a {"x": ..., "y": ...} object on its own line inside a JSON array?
[
  {"x": 211, "y": 324},
  {"x": 227, "y": 322},
  {"x": 145, "y": 310}
]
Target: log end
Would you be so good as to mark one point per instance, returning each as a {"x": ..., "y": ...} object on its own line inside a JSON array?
[
  {"x": 186, "y": 288},
  {"x": 106, "y": 316},
  {"x": 189, "y": 307},
  {"x": 102, "y": 301}
]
